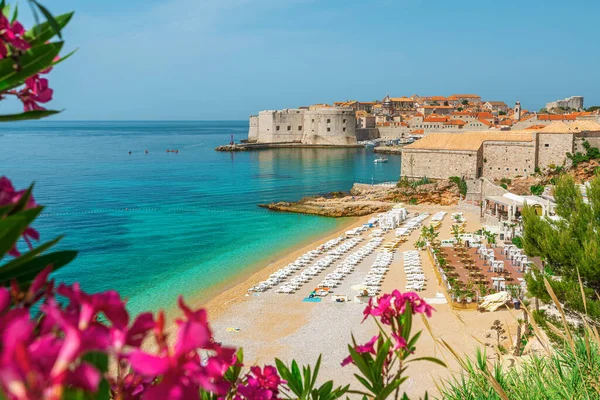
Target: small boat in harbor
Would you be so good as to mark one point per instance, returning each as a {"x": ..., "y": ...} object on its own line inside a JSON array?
[{"x": 380, "y": 160}]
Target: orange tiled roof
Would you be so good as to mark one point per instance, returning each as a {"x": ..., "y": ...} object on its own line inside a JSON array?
[
  {"x": 436, "y": 107},
  {"x": 399, "y": 99},
  {"x": 455, "y": 122},
  {"x": 417, "y": 131},
  {"x": 506, "y": 122},
  {"x": 466, "y": 113},
  {"x": 557, "y": 117},
  {"x": 435, "y": 119},
  {"x": 485, "y": 115},
  {"x": 497, "y": 103},
  {"x": 485, "y": 122}
]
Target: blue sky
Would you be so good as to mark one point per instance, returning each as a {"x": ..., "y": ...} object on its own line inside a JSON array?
[{"x": 226, "y": 59}]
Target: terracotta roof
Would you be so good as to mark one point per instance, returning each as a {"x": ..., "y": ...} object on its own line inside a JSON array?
[
  {"x": 571, "y": 127},
  {"x": 556, "y": 117},
  {"x": 397, "y": 99},
  {"x": 417, "y": 131},
  {"x": 466, "y": 113},
  {"x": 455, "y": 122},
  {"x": 506, "y": 122},
  {"x": 485, "y": 115},
  {"x": 466, "y": 96},
  {"x": 436, "y": 107},
  {"x": 486, "y": 122},
  {"x": 536, "y": 127},
  {"x": 435, "y": 119},
  {"x": 468, "y": 141},
  {"x": 497, "y": 103}
]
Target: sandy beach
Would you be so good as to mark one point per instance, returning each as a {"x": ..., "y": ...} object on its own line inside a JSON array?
[{"x": 269, "y": 325}]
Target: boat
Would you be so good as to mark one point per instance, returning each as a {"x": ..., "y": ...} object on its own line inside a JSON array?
[{"x": 380, "y": 160}]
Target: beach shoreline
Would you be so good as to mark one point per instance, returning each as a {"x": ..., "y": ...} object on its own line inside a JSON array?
[{"x": 233, "y": 290}]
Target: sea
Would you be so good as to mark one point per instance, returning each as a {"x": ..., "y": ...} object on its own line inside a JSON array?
[{"x": 154, "y": 224}]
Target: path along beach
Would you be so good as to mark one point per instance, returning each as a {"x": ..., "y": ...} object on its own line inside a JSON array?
[{"x": 270, "y": 324}]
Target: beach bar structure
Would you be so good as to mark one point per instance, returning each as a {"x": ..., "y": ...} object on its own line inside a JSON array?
[{"x": 508, "y": 207}]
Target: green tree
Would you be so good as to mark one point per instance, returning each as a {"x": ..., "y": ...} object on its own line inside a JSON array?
[
  {"x": 569, "y": 246},
  {"x": 465, "y": 102}
]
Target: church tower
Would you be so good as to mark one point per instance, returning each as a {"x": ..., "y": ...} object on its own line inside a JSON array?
[{"x": 517, "y": 111}]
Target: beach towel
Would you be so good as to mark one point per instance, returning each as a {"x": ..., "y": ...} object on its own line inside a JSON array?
[{"x": 312, "y": 300}]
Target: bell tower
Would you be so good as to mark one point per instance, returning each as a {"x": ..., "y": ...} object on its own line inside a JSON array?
[{"x": 517, "y": 111}]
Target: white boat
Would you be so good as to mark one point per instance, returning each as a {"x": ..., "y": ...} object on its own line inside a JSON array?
[{"x": 380, "y": 160}]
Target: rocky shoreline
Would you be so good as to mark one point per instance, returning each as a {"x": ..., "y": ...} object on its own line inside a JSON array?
[
  {"x": 388, "y": 150},
  {"x": 370, "y": 199}
]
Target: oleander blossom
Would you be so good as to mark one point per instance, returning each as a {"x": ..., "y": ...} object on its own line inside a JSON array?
[
  {"x": 11, "y": 35},
  {"x": 10, "y": 197},
  {"x": 36, "y": 91},
  {"x": 183, "y": 367},
  {"x": 368, "y": 347},
  {"x": 260, "y": 384},
  {"x": 390, "y": 306}
]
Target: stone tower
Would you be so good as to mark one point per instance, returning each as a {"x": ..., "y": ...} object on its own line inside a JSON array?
[{"x": 517, "y": 113}]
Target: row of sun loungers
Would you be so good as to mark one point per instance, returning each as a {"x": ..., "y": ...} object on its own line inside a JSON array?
[
  {"x": 347, "y": 266},
  {"x": 301, "y": 262},
  {"x": 413, "y": 267},
  {"x": 318, "y": 266},
  {"x": 374, "y": 277}
]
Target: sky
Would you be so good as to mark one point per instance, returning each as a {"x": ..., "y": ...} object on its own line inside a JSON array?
[{"x": 227, "y": 59}]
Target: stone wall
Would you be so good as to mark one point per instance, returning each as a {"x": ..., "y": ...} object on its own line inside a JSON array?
[
  {"x": 367, "y": 133},
  {"x": 439, "y": 164},
  {"x": 575, "y": 102},
  {"x": 325, "y": 126},
  {"x": 280, "y": 126},
  {"x": 330, "y": 127},
  {"x": 253, "y": 131},
  {"x": 508, "y": 159},
  {"x": 394, "y": 132},
  {"x": 592, "y": 137},
  {"x": 553, "y": 148}
]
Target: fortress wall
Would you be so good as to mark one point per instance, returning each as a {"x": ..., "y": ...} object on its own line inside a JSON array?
[
  {"x": 553, "y": 148},
  {"x": 593, "y": 138},
  {"x": 329, "y": 127},
  {"x": 439, "y": 164},
  {"x": 367, "y": 133},
  {"x": 280, "y": 126},
  {"x": 394, "y": 132},
  {"x": 253, "y": 131},
  {"x": 508, "y": 159}
]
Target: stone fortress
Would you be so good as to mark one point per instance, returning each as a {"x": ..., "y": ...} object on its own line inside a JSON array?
[
  {"x": 497, "y": 155},
  {"x": 570, "y": 103},
  {"x": 326, "y": 126}
]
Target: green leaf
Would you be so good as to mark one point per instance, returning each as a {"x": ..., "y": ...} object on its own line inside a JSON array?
[
  {"x": 63, "y": 58},
  {"x": 317, "y": 367},
  {"x": 34, "y": 60},
  {"x": 430, "y": 359},
  {"x": 15, "y": 13},
  {"x": 43, "y": 32},
  {"x": 28, "y": 271},
  {"x": 365, "y": 383},
  {"x": 391, "y": 387},
  {"x": 23, "y": 201},
  {"x": 56, "y": 27},
  {"x": 100, "y": 362},
  {"x": 360, "y": 363},
  {"x": 12, "y": 228},
  {"x": 30, "y": 255},
  {"x": 29, "y": 115}
]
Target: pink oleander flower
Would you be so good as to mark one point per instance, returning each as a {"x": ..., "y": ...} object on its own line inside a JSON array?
[
  {"x": 11, "y": 34},
  {"x": 36, "y": 91},
  {"x": 368, "y": 347},
  {"x": 392, "y": 305},
  {"x": 9, "y": 196},
  {"x": 399, "y": 342},
  {"x": 183, "y": 368},
  {"x": 260, "y": 385}
]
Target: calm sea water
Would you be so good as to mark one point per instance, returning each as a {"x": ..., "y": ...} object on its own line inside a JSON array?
[{"x": 159, "y": 224}]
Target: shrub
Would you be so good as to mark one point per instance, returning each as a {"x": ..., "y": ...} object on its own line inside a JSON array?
[
  {"x": 413, "y": 201},
  {"x": 518, "y": 241},
  {"x": 460, "y": 183},
  {"x": 537, "y": 190}
]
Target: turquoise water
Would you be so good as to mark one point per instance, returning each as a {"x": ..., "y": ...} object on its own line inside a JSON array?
[{"x": 159, "y": 224}]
